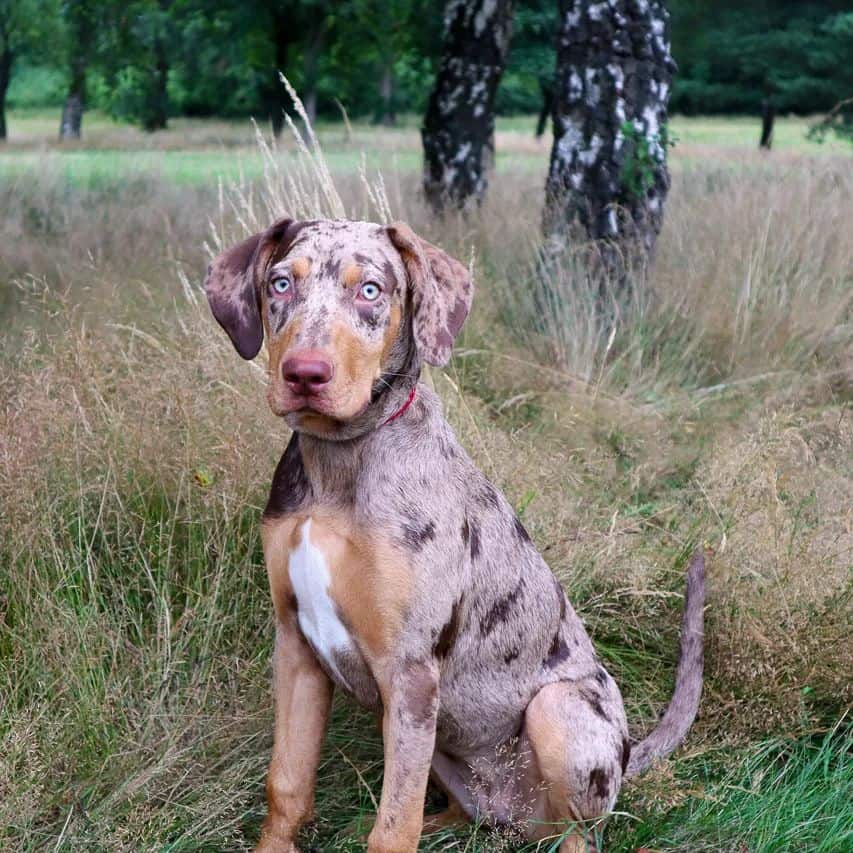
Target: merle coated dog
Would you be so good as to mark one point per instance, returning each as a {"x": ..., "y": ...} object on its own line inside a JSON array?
[{"x": 399, "y": 574}]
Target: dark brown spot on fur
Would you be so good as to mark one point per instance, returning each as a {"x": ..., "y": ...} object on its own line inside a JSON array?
[
  {"x": 501, "y": 609},
  {"x": 511, "y": 655},
  {"x": 331, "y": 268},
  {"x": 416, "y": 535},
  {"x": 290, "y": 484},
  {"x": 601, "y": 676},
  {"x": 599, "y": 783},
  {"x": 626, "y": 754},
  {"x": 561, "y": 597},
  {"x": 594, "y": 701},
  {"x": 475, "y": 540},
  {"x": 390, "y": 277},
  {"x": 488, "y": 496},
  {"x": 421, "y": 694},
  {"x": 466, "y": 532},
  {"x": 520, "y": 532},
  {"x": 447, "y": 637},
  {"x": 557, "y": 653}
]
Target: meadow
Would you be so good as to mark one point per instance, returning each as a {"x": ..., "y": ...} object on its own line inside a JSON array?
[{"x": 136, "y": 450}]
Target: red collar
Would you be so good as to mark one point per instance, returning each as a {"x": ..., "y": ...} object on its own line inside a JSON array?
[{"x": 402, "y": 408}]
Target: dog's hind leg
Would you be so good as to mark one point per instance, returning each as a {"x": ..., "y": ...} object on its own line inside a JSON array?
[{"x": 578, "y": 736}]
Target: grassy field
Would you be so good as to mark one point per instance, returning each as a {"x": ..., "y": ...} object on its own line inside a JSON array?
[{"x": 136, "y": 450}]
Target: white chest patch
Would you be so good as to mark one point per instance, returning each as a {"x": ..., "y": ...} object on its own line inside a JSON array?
[{"x": 318, "y": 618}]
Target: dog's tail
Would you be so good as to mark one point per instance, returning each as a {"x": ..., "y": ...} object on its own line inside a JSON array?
[{"x": 684, "y": 704}]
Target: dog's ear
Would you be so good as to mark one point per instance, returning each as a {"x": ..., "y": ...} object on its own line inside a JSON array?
[
  {"x": 231, "y": 285},
  {"x": 441, "y": 290}
]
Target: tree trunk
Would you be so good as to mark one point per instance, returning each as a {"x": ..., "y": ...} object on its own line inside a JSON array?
[
  {"x": 608, "y": 177},
  {"x": 311, "y": 66},
  {"x": 72, "y": 117},
  {"x": 5, "y": 77},
  {"x": 386, "y": 94},
  {"x": 72, "y": 113},
  {"x": 458, "y": 131},
  {"x": 768, "y": 115},
  {"x": 277, "y": 98},
  {"x": 158, "y": 116},
  {"x": 547, "y": 89},
  {"x": 79, "y": 18}
]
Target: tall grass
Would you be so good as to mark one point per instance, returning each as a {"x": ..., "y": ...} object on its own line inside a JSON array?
[{"x": 135, "y": 452}]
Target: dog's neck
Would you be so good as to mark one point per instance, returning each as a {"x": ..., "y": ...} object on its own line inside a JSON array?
[{"x": 334, "y": 467}]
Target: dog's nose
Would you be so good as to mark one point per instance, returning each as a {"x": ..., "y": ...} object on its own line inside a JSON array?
[{"x": 307, "y": 372}]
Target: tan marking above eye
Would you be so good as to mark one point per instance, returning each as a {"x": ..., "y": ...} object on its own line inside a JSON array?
[
  {"x": 352, "y": 275},
  {"x": 300, "y": 267}
]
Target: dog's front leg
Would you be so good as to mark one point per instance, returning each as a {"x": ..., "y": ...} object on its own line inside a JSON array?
[
  {"x": 408, "y": 732},
  {"x": 303, "y": 696}
]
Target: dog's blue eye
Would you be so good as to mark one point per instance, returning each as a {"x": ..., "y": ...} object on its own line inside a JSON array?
[
  {"x": 281, "y": 285},
  {"x": 370, "y": 291}
]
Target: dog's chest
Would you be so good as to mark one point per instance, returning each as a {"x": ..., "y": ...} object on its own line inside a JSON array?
[{"x": 310, "y": 571}]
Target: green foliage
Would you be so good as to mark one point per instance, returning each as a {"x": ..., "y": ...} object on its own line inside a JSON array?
[
  {"x": 219, "y": 57},
  {"x": 839, "y": 120},
  {"x": 643, "y": 158},
  {"x": 530, "y": 67},
  {"x": 36, "y": 86},
  {"x": 732, "y": 55}
]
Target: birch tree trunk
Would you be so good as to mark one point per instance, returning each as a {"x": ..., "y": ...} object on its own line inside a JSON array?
[
  {"x": 608, "y": 177},
  {"x": 458, "y": 131}
]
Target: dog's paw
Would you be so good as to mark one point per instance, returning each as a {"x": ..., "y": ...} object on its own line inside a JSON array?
[{"x": 271, "y": 842}]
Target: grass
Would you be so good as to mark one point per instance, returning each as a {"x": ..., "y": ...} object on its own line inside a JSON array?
[
  {"x": 135, "y": 627},
  {"x": 194, "y": 151}
]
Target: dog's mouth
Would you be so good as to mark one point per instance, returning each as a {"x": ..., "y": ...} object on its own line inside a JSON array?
[{"x": 298, "y": 406}]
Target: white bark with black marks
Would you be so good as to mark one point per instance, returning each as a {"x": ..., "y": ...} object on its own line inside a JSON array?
[
  {"x": 608, "y": 177},
  {"x": 458, "y": 132}
]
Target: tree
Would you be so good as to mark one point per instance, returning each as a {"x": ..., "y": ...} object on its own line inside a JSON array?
[
  {"x": 458, "y": 131},
  {"x": 78, "y": 18},
  {"x": 608, "y": 172},
  {"x": 731, "y": 55},
  {"x": 7, "y": 55},
  {"x": 137, "y": 46},
  {"x": 19, "y": 21}
]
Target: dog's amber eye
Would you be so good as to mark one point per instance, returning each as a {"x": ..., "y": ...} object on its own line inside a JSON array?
[
  {"x": 280, "y": 286},
  {"x": 370, "y": 291}
]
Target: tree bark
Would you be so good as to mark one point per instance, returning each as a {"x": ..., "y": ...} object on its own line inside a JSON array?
[
  {"x": 608, "y": 177},
  {"x": 459, "y": 127},
  {"x": 5, "y": 76},
  {"x": 158, "y": 117},
  {"x": 72, "y": 117},
  {"x": 276, "y": 96},
  {"x": 768, "y": 115},
  {"x": 70, "y": 126},
  {"x": 386, "y": 94},
  {"x": 313, "y": 50}
]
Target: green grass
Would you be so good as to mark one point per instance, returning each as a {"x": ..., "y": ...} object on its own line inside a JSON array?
[
  {"x": 195, "y": 151},
  {"x": 135, "y": 622},
  {"x": 781, "y": 795}
]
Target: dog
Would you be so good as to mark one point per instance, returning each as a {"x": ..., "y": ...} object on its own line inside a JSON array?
[{"x": 399, "y": 574}]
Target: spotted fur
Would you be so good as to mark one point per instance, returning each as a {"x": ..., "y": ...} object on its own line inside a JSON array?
[{"x": 432, "y": 605}]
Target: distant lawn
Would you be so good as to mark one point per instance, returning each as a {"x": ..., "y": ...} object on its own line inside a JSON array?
[{"x": 196, "y": 151}]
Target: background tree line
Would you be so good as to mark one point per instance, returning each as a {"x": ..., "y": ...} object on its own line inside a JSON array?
[{"x": 146, "y": 60}]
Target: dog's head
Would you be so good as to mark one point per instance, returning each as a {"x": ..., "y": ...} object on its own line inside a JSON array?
[{"x": 345, "y": 307}]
